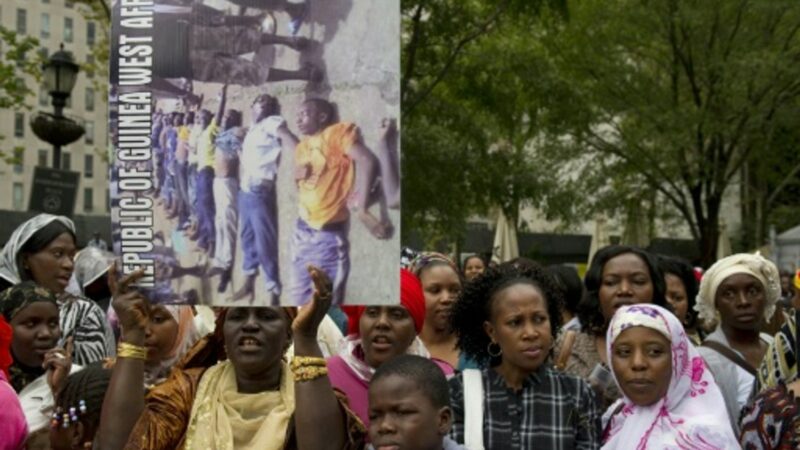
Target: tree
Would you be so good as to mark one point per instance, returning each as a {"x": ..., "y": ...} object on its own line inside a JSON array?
[
  {"x": 17, "y": 68},
  {"x": 99, "y": 12},
  {"x": 675, "y": 96},
  {"x": 771, "y": 182},
  {"x": 464, "y": 136}
]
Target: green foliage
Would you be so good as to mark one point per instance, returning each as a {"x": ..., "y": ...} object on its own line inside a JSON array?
[
  {"x": 19, "y": 59},
  {"x": 650, "y": 108},
  {"x": 98, "y": 12},
  {"x": 19, "y": 63},
  {"x": 680, "y": 95},
  {"x": 465, "y": 132}
]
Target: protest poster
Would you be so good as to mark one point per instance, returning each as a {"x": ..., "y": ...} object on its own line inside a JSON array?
[{"x": 252, "y": 138}]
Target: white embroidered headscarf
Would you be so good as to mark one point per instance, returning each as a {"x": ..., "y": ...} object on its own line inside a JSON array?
[
  {"x": 692, "y": 413},
  {"x": 756, "y": 265},
  {"x": 8, "y": 258}
]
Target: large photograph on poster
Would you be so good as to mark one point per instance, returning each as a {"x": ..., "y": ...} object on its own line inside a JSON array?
[{"x": 253, "y": 138}]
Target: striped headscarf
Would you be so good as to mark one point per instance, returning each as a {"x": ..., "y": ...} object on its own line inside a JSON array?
[
  {"x": 426, "y": 259},
  {"x": 780, "y": 362}
]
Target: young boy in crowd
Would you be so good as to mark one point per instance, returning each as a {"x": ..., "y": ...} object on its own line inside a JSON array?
[{"x": 409, "y": 406}]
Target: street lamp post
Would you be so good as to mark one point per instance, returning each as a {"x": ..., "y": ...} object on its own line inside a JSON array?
[{"x": 60, "y": 74}]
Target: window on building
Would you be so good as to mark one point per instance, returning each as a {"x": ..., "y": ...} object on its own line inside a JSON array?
[
  {"x": 44, "y": 96},
  {"x": 88, "y": 166},
  {"x": 22, "y": 21},
  {"x": 44, "y": 31},
  {"x": 89, "y": 136},
  {"x": 19, "y": 125},
  {"x": 88, "y": 195},
  {"x": 45, "y": 1},
  {"x": 18, "y": 196},
  {"x": 19, "y": 160},
  {"x": 41, "y": 161},
  {"x": 89, "y": 100},
  {"x": 44, "y": 53},
  {"x": 68, "y": 29},
  {"x": 68, "y": 3},
  {"x": 108, "y": 200},
  {"x": 90, "y": 63},
  {"x": 66, "y": 161},
  {"x": 90, "y": 33}
]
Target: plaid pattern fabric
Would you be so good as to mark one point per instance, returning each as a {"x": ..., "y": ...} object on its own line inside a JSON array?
[{"x": 553, "y": 411}]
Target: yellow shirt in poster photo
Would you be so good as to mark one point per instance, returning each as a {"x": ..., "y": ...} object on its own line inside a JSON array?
[{"x": 322, "y": 195}]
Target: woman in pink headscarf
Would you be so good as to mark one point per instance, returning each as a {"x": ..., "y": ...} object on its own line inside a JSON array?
[
  {"x": 378, "y": 334},
  {"x": 670, "y": 399}
]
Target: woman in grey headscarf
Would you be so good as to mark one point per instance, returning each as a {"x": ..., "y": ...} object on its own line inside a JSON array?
[{"x": 42, "y": 250}]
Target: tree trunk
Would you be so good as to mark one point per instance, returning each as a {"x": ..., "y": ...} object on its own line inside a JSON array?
[{"x": 709, "y": 233}]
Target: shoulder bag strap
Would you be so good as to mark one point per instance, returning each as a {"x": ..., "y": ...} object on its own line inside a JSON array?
[
  {"x": 473, "y": 409},
  {"x": 731, "y": 355},
  {"x": 566, "y": 349}
]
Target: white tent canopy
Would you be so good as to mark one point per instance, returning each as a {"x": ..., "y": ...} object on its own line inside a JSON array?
[{"x": 505, "y": 247}]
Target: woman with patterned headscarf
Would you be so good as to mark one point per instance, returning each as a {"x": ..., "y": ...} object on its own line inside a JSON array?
[
  {"x": 441, "y": 284},
  {"x": 39, "y": 367},
  {"x": 740, "y": 292},
  {"x": 42, "y": 250},
  {"x": 670, "y": 399},
  {"x": 772, "y": 419}
]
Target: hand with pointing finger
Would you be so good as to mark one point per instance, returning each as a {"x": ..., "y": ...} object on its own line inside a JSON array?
[
  {"x": 131, "y": 306},
  {"x": 58, "y": 363}
]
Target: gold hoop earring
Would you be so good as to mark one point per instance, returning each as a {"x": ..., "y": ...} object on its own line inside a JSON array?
[{"x": 495, "y": 354}]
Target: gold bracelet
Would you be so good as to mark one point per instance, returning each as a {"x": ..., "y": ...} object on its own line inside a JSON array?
[
  {"x": 125, "y": 350},
  {"x": 309, "y": 373},
  {"x": 305, "y": 361}
]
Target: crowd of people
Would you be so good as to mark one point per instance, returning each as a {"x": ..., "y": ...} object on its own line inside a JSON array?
[{"x": 646, "y": 352}]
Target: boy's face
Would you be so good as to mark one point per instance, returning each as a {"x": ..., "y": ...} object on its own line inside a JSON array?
[
  {"x": 403, "y": 418},
  {"x": 310, "y": 119},
  {"x": 263, "y": 108}
]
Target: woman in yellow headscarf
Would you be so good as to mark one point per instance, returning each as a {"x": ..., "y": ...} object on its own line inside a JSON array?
[{"x": 233, "y": 390}]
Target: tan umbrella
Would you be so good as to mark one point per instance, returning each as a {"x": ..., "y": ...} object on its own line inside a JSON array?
[
  {"x": 600, "y": 237},
  {"x": 505, "y": 246},
  {"x": 723, "y": 242}
]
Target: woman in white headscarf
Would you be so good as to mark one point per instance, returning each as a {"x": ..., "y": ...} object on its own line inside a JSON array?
[
  {"x": 42, "y": 250},
  {"x": 739, "y": 292},
  {"x": 670, "y": 399}
]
